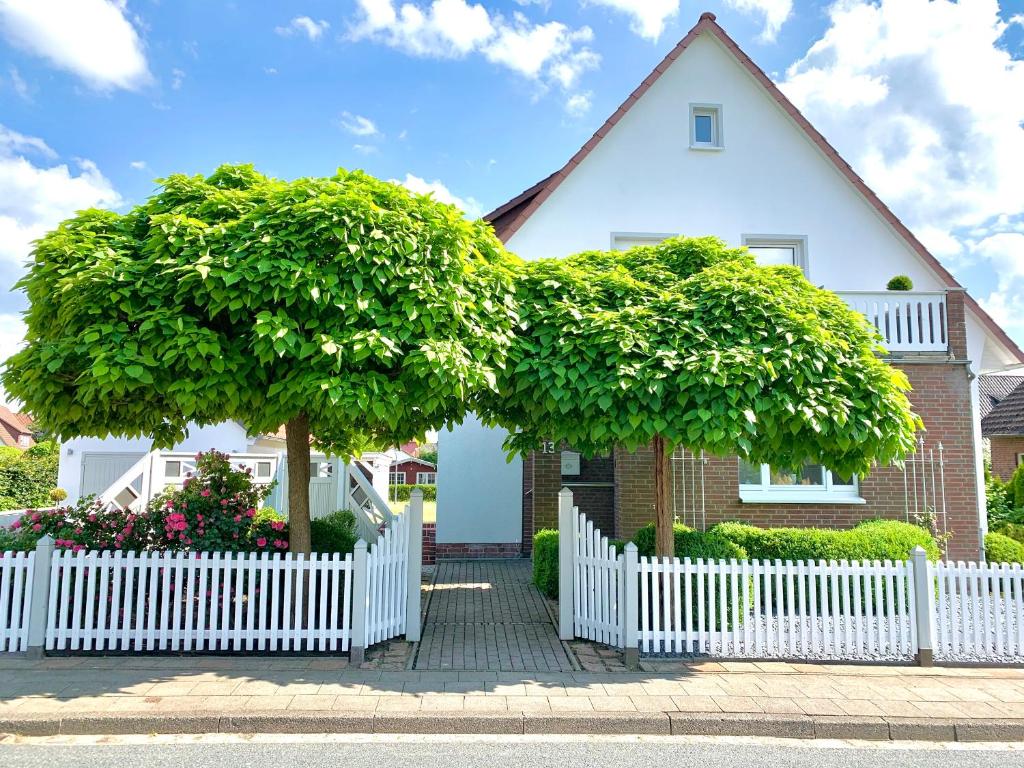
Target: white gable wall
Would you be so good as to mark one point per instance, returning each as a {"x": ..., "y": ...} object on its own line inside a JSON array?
[{"x": 769, "y": 179}]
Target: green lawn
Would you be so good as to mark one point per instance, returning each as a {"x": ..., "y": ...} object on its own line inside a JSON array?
[{"x": 429, "y": 509}]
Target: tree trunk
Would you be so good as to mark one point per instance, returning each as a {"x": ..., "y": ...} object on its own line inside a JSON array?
[
  {"x": 664, "y": 536},
  {"x": 297, "y": 442}
]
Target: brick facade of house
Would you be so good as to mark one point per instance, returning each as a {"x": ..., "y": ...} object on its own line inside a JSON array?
[
  {"x": 1005, "y": 453},
  {"x": 407, "y": 470},
  {"x": 941, "y": 396}
]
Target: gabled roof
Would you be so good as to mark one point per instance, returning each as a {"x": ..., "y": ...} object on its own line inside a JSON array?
[
  {"x": 993, "y": 389},
  {"x": 508, "y": 218},
  {"x": 1006, "y": 416},
  {"x": 13, "y": 426}
]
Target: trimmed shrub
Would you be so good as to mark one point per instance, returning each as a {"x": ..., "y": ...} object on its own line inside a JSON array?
[
  {"x": 900, "y": 283},
  {"x": 870, "y": 540},
  {"x": 335, "y": 532},
  {"x": 27, "y": 477},
  {"x": 690, "y": 543},
  {"x": 1014, "y": 530},
  {"x": 1017, "y": 483},
  {"x": 1003, "y": 549},
  {"x": 402, "y": 492},
  {"x": 545, "y": 562}
]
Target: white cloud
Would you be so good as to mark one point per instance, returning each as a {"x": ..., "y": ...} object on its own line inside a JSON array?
[
  {"x": 578, "y": 104},
  {"x": 648, "y": 17},
  {"x": 19, "y": 85},
  {"x": 441, "y": 193},
  {"x": 12, "y": 338},
  {"x": 549, "y": 53},
  {"x": 38, "y": 194},
  {"x": 775, "y": 13},
  {"x": 91, "y": 38},
  {"x": 177, "y": 78},
  {"x": 924, "y": 102},
  {"x": 358, "y": 125},
  {"x": 138, "y": 165},
  {"x": 304, "y": 25},
  {"x": 365, "y": 149}
]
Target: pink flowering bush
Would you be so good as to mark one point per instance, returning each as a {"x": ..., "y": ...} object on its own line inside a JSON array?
[
  {"x": 215, "y": 511},
  {"x": 86, "y": 526}
]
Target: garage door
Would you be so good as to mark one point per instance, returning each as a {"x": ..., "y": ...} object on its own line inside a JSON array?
[{"x": 99, "y": 470}]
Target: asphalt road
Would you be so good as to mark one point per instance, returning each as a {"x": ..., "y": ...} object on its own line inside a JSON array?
[{"x": 489, "y": 752}]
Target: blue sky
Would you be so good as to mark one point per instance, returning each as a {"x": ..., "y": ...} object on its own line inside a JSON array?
[{"x": 479, "y": 100}]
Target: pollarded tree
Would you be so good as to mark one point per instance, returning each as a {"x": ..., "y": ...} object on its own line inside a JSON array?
[
  {"x": 691, "y": 343},
  {"x": 346, "y": 308}
]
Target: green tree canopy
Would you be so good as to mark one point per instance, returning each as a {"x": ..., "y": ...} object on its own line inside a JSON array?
[
  {"x": 691, "y": 343},
  {"x": 345, "y": 307}
]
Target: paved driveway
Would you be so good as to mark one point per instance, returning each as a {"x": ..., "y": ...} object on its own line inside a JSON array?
[{"x": 487, "y": 615}]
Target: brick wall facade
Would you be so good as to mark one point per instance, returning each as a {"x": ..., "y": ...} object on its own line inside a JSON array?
[
  {"x": 593, "y": 491},
  {"x": 429, "y": 543},
  {"x": 478, "y": 551},
  {"x": 941, "y": 396},
  {"x": 1005, "y": 451}
]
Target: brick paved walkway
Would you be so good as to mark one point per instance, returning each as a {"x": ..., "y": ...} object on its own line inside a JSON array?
[{"x": 487, "y": 615}]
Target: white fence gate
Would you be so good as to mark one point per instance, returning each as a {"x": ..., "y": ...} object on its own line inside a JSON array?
[
  {"x": 215, "y": 602},
  {"x": 891, "y": 611}
]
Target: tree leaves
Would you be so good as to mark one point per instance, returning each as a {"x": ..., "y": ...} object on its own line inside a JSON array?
[{"x": 692, "y": 341}]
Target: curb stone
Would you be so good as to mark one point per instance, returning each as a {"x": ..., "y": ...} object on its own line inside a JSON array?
[
  {"x": 598, "y": 723},
  {"x": 741, "y": 724}
]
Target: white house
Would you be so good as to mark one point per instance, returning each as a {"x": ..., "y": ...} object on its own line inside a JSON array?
[{"x": 707, "y": 145}]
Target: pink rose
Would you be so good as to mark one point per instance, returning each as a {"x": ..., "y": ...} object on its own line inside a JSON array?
[
  {"x": 250, "y": 512},
  {"x": 261, "y": 542},
  {"x": 16, "y": 524},
  {"x": 204, "y": 492},
  {"x": 37, "y": 527},
  {"x": 238, "y": 518}
]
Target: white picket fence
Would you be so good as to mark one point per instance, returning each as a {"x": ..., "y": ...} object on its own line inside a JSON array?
[
  {"x": 761, "y": 609},
  {"x": 104, "y": 601},
  {"x": 215, "y": 602},
  {"x": 598, "y": 584},
  {"x": 16, "y": 570},
  {"x": 847, "y": 611}
]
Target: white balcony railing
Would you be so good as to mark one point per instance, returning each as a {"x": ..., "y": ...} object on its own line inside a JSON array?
[{"x": 909, "y": 321}]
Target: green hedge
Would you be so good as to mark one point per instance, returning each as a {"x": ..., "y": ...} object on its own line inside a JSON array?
[
  {"x": 1017, "y": 485},
  {"x": 1000, "y": 548},
  {"x": 335, "y": 532},
  {"x": 27, "y": 477},
  {"x": 690, "y": 543},
  {"x": 402, "y": 492},
  {"x": 870, "y": 540},
  {"x": 545, "y": 562}
]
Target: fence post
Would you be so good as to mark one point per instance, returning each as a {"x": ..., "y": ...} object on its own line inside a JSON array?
[
  {"x": 566, "y": 566},
  {"x": 630, "y": 610},
  {"x": 40, "y": 598},
  {"x": 359, "y": 603},
  {"x": 415, "y": 566},
  {"x": 924, "y": 594}
]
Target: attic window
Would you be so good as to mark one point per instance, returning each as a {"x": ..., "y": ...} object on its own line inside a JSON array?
[{"x": 706, "y": 126}]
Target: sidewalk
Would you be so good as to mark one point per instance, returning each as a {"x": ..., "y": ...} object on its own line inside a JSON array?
[{"x": 239, "y": 694}]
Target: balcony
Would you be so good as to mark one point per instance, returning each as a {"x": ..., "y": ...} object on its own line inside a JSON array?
[{"x": 908, "y": 321}]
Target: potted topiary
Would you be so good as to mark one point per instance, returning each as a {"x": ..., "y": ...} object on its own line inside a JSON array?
[{"x": 900, "y": 283}]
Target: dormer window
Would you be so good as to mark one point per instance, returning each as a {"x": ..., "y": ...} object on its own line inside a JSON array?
[{"x": 706, "y": 126}]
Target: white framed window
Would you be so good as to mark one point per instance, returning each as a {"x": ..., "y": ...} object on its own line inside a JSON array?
[
  {"x": 426, "y": 478},
  {"x": 1020, "y": 459},
  {"x": 770, "y": 250},
  {"x": 396, "y": 478},
  {"x": 623, "y": 241},
  {"x": 320, "y": 469},
  {"x": 706, "y": 126},
  {"x": 811, "y": 484}
]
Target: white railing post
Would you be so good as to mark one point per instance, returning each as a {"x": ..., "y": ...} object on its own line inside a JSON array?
[
  {"x": 924, "y": 594},
  {"x": 415, "y": 568},
  {"x": 39, "y": 597},
  {"x": 359, "y": 603},
  {"x": 566, "y": 566},
  {"x": 630, "y": 610}
]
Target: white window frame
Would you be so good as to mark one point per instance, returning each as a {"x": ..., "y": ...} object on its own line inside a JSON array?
[
  {"x": 623, "y": 241},
  {"x": 1020, "y": 459},
  {"x": 396, "y": 477},
  {"x": 829, "y": 493},
  {"x": 421, "y": 475},
  {"x": 714, "y": 111},
  {"x": 320, "y": 469},
  {"x": 797, "y": 242}
]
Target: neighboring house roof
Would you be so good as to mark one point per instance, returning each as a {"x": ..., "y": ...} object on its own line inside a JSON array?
[
  {"x": 399, "y": 456},
  {"x": 993, "y": 389},
  {"x": 1006, "y": 418},
  {"x": 15, "y": 428},
  {"x": 508, "y": 218}
]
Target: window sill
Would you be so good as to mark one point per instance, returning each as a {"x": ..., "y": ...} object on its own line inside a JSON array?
[
  {"x": 775, "y": 497},
  {"x": 702, "y": 148}
]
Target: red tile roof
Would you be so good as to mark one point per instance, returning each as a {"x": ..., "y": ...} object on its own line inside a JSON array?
[{"x": 508, "y": 218}]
